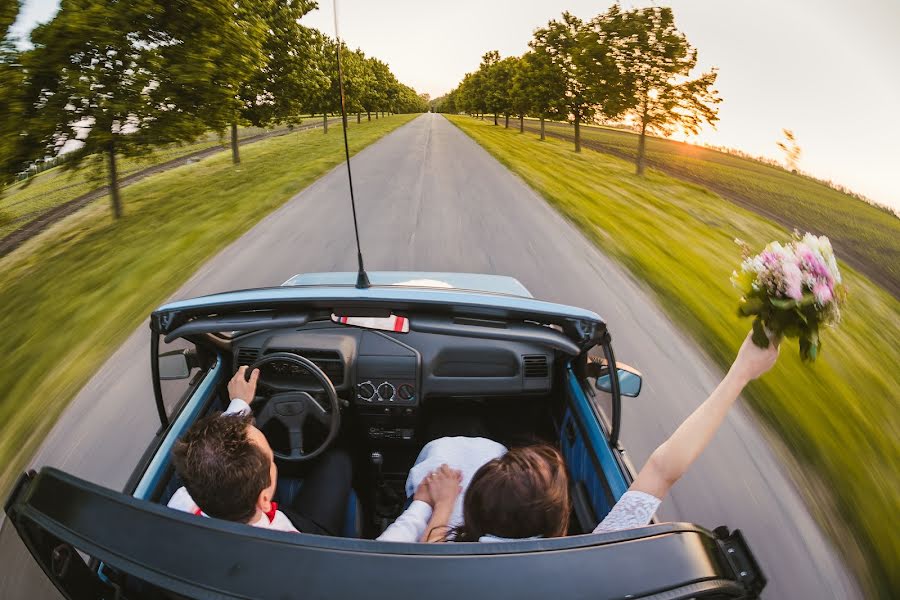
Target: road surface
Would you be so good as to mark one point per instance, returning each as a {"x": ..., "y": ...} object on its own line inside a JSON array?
[{"x": 430, "y": 199}]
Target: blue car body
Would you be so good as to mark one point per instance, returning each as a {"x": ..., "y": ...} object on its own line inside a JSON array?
[{"x": 144, "y": 549}]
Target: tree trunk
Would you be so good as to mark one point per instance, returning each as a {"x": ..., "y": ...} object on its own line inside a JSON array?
[
  {"x": 114, "y": 182},
  {"x": 506, "y": 125},
  {"x": 521, "y": 123},
  {"x": 376, "y": 115},
  {"x": 324, "y": 122},
  {"x": 495, "y": 119},
  {"x": 542, "y": 129},
  {"x": 640, "y": 152},
  {"x": 369, "y": 115},
  {"x": 235, "y": 153},
  {"x": 577, "y": 132},
  {"x": 358, "y": 118},
  {"x": 641, "y": 141}
]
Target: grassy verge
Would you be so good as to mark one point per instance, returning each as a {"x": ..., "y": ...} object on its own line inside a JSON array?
[
  {"x": 839, "y": 417},
  {"x": 71, "y": 296},
  {"x": 868, "y": 237},
  {"x": 25, "y": 201}
]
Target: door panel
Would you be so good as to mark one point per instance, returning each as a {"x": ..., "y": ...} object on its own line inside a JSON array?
[{"x": 590, "y": 460}]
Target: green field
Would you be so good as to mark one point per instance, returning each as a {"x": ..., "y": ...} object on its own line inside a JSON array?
[
  {"x": 866, "y": 236},
  {"x": 73, "y": 294},
  {"x": 839, "y": 416},
  {"x": 23, "y": 202}
]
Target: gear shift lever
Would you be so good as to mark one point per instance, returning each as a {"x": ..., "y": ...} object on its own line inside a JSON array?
[{"x": 377, "y": 461}]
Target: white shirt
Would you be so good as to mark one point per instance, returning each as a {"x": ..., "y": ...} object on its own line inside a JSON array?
[
  {"x": 634, "y": 509},
  {"x": 468, "y": 454},
  {"x": 274, "y": 519}
]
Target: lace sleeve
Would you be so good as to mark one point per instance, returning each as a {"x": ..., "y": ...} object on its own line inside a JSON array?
[{"x": 634, "y": 509}]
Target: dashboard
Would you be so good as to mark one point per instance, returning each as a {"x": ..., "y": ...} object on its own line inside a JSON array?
[{"x": 387, "y": 376}]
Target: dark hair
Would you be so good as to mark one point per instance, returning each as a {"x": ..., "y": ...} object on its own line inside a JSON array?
[
  {"x": 524, "y": 493},
  {"x": 222, "y": 469}
]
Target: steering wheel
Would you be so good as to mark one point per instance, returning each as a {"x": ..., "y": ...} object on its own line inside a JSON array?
[{"x": 292, "y": 408}]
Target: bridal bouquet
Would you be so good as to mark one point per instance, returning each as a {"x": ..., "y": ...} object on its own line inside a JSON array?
[{"x": 791, "y": 290}]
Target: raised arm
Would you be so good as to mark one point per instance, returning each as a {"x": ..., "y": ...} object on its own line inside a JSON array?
[{"x": 673, "y": 458}]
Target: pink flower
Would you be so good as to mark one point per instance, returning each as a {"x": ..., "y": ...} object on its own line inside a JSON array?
[
  {"x": 813, "y": 264},
  {"x": 793, "y": 281},
  {"x": 823, "y": 292}
]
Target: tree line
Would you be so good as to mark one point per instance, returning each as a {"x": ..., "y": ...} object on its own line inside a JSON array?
[
  {"x": 124, "y": 77},
  {"x": 619, "y": 64}
]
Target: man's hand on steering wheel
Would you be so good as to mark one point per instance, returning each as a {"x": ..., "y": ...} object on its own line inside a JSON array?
[
  {"x": 242, "y": 387},
  {"x": 292, "y": 406}
]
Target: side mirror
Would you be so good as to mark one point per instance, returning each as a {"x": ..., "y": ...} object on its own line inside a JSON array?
[
  {"x": 630, "y": 380},
  {"x": 175, "y": 364}
]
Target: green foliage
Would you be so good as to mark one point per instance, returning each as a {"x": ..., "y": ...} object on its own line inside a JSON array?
[
  {"x": 12, "y": 104},
  {"x": 121, "y": 78},
  {"x": 9, "y": 11},
  {"x": 618, "y": 62},
  {"x": 839, "y": 417},
  {"x": 656, "y": 61},
  {"x": 72, "y": 299},
  {"x": 539, "y": 86},
  {"x": 280, "y": 90}
]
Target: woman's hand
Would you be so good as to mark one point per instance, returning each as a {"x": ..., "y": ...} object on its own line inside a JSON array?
[
  {"x": 753, "y": 361},
  {"x": 423, "y": 494},
  {"x": 444, "y": 485}
]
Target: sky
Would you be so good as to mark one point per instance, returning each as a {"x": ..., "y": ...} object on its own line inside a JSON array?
[{"x": 825, "y": 69}]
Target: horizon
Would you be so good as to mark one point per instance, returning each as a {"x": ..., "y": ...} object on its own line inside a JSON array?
[{"x": 805, "y": 45}]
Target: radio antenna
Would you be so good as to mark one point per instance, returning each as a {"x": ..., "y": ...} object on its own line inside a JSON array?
[{"x": 362, "y": 280}]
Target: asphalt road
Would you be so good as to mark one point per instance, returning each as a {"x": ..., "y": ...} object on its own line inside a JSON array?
[{"x": 429, "y": 198}]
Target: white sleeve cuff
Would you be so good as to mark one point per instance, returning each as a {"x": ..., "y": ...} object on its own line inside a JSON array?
[
  {"x": 237, "y": 407},
  {"x": 409, "y": 526},
  {"x": 420, "y": 510}
]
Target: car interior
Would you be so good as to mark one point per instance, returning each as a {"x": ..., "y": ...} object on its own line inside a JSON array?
[{"x": 396, "y": 391}]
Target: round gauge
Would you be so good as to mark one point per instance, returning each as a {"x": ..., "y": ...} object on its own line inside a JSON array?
[
  {"x": 406, "y": 392},
  {"x": 366, "y": 390},
  {"x": 386, "y": 391}
]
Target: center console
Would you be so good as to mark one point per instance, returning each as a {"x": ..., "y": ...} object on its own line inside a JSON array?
[{"x": 387, "y": 388}]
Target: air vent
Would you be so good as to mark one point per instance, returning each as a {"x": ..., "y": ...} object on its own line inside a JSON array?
[
  {"x": 536, "y": 366},
  {"x": 247, "y": 356}
]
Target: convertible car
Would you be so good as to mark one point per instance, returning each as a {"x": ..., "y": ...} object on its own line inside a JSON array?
[{"x": 379, "y": 371}]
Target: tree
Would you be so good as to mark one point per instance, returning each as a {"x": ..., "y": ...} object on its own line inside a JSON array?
[
  {"x": 280, "y": 88},
  {"x": 213, "y": 55},
  {"x": 539, "y": 86},
  {"x": 519, "y": 100},
  {"x": 791, "y": 150},
  {"x": 93, "y": 68},
  {"x": 13, "y": 152},
  {"x": 492, "y": 95},
  {"x": 561, "y": 43},
  {"x": 503, "y": 73},
  {"x": 658, "y": 60},
  {"x": 472, "y": 95}
]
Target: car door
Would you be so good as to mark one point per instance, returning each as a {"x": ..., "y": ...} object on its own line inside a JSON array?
[
  {"x": 597, "y": 475},
  {"x": 184, "y": 391}
]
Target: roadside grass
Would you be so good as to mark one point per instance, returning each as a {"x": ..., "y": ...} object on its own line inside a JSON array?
[
  {"x": 839, "y": 417},
  {"x": 868, "y": 237},
  {"x": 72, "y": 295},
  {"x": 25, "y": 201}
]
